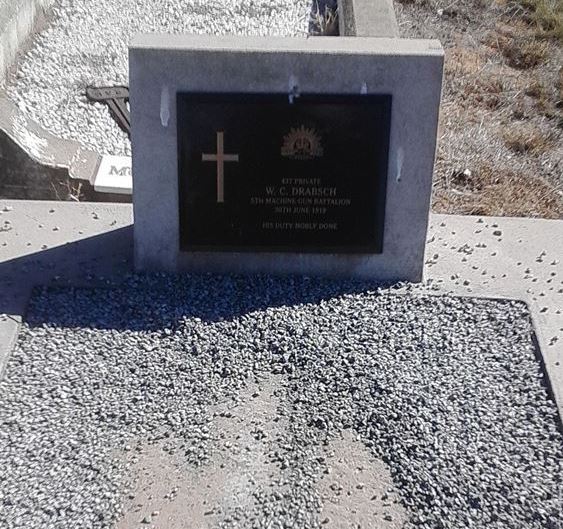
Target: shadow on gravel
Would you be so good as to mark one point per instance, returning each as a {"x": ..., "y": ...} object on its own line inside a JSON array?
[
  {"x": 89, "y": 283},
  {"x": 84, "y": 262},
  {"x": 159, "y": 301}
]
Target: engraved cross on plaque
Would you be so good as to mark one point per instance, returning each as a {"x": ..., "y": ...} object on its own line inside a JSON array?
[{"x": 220, "y": 158}]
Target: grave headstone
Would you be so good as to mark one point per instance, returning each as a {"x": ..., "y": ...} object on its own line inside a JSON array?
[{"x": 283, "y": 155}]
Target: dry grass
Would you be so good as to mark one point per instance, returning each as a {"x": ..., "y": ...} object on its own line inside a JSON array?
[
  {"x": 525, "y": 52},
  {"x": 69, "y": 191},
  {"x": 559, "y": 87},
  {"x": 546, "y": 15},
  {"x": 325, "y": 21},
  {"x": 537, "y": 89},
  {"x": 520, "y": 51},
  {"x": 497, "y": 154},
  {"x": 503, "y": 193},
  {"x": 485, "y": 90},
  {"x": 463, "y": 61},
  {"x": 471, "y": 77},
  {"x": 544, "y": 102},
  {"x": 527, "y": 140},
  {"x": 500, "y": 145}
]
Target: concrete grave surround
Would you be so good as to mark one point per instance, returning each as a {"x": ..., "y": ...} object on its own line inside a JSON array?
[
  {"x": 409, "y": 70},
  {"x": 501, "y": 257}
]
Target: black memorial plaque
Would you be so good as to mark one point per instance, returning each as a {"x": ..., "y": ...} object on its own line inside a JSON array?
[{"x": 263, "y": 173}]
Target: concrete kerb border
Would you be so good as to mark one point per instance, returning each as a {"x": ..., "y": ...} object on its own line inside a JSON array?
[
  {"x": 45, "y": 148},
  {"x": 9, "y": 331},
  {"x": 367, "y": 18},
  {"x": 538, "y": 338},
  {"x": 541, "y": 343},
  {"x": 18, "y": 19}
]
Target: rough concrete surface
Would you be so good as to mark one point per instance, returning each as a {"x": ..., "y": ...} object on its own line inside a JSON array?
[
  {"x": 365, "y": 495},
  {"x": 52, "y": 154}
]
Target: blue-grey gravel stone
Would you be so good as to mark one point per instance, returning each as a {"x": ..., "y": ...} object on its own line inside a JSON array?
[{"x": 447, "y": 391}]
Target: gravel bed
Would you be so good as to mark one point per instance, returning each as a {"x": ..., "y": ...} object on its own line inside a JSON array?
[
  {"x": 86, "y": 44},
  {"x": 447, "y": 391}
]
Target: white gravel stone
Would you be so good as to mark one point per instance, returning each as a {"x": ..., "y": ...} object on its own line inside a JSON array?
[
  {"x": 447, "y": 391},
  {"x": 86, "y": 44}
]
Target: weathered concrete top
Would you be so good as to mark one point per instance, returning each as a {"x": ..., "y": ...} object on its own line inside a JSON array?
[
  {"x": 321, "y": 45},
  {"x": 8, "y": 8}
]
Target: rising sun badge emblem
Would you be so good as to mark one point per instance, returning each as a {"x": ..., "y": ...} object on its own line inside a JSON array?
[{"x": 302, "y": 144}]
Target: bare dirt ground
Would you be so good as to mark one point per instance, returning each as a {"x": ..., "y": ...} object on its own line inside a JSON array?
[
  {"x": 355, "y": 490},
  {"x": 501, "y": 132}
]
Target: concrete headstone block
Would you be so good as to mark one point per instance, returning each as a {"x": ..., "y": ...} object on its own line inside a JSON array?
[{"x": 410, "y": 71}]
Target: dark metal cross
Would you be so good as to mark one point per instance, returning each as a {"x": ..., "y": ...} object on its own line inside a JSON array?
[{"x": 116, "y": 98}]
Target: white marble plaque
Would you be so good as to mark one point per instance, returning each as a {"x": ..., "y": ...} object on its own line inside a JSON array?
[{"x": 114, "y": 175}]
